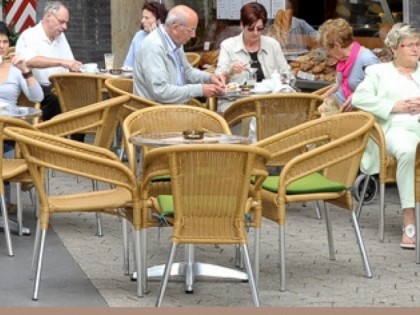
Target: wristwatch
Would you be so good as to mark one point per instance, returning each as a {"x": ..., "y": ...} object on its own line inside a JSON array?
[{"x": 27, "y": 75}]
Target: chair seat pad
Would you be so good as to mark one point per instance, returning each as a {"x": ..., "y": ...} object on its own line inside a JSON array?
[
  {"x": 313, "y": 183},
  {"x": 166, "y": 204}
]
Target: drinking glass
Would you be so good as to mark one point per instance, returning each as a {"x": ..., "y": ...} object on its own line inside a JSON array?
[
  {"x": 109, "y": 61},
  {"x": 252, "y": 76}
]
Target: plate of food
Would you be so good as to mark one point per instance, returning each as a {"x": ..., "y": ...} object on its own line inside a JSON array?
[
  {"x": 261, "y": 90},
  {"x": 232, "y": 88}
]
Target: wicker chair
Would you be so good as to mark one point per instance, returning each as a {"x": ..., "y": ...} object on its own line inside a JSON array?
[
  {"x": 193, "y": 58},
  {"x": 76, "y": 90},
  {"x": 42, "y": 151},
  {"x": 322, "y": 90},
  {"x": 325, "y": 173},
  {"x": 97, "y": 118},
  {"x": 212, "y": 210},
  {"x": 273, "y": 112},
  {"x": 10, "y": 170},
  {"x": 165, "y": 119}
]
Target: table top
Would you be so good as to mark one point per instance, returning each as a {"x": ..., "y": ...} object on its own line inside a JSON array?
[
  {"x": 176, "y": 138},
  {"x": 20, "y": 112}
]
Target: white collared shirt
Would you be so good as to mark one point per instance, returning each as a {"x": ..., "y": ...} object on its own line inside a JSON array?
[{"x": 34, "y": 42}]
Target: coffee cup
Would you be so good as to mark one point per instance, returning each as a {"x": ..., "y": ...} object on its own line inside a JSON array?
[{"x": 90, "y": 67}]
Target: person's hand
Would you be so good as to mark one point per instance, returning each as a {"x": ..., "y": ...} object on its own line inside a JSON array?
[
  {"x": 347, "y": 107},
  {"x": 237, "y": 67},
  {"x": 409, "y": 105},
  {"x": 19, "y": 62},
  {"x": 210, "y": 90},
  {"x": 218, "y": 79},
  {"x": 72, "y": 65}
]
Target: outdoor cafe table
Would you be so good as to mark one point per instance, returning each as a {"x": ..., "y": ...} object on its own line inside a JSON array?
[
  {"x": 24, "y": 113},
  {"x": 190, "y": 268}
]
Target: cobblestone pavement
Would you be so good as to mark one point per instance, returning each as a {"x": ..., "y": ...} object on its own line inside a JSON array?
[{"x": 312, "y": 279}]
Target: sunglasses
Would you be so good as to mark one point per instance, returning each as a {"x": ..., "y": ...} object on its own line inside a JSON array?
[{"x": 258, "y": 29}]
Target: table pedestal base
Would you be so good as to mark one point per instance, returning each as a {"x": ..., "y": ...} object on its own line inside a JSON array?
[{"x": 191, "y": 269}]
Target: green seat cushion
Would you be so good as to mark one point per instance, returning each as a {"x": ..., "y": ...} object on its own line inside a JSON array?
[
  {"x": 313, "y": 183},
  {"x": 166, "y": 204},
  {"x": 162, "y": 178}
]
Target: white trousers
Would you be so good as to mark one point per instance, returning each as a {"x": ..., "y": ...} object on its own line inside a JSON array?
[{"x": 401, "y": 141}]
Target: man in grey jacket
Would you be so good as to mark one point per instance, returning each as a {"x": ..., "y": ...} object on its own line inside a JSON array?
[{"x": 162, "y": 73}]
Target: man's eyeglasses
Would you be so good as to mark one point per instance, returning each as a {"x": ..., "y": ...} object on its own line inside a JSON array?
[
  {"x": 411, "y": 45},
  {"x": 258, "y": 29},
  {"x": 60, "y": 21},
  {"x": 190, "y": 29}
]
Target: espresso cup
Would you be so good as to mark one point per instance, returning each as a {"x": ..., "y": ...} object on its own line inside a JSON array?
[{"x": 90, "y": 67}]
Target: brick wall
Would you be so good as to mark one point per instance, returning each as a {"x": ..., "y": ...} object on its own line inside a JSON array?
[{"x": 89, "y": 29}]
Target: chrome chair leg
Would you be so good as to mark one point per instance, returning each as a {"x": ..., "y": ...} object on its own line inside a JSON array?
[
  {"x": 318, "y": 210},
  {"x": 362, "y": 196},
  {"x": 37, "y": 243},
  {"x": 39, "y": 266},
  {"x": 361, "y": 245},
  {"x": 143, "y": 257},
  {"x": 6, "y": 228},
  {"x": 282, "y": 252},
  {"x": 19, "y": 212},
  {"x": 99, "y": 229},
  {"x": 382, "y": 212},
  {"x": 257, "y": 244},
  {"x": 251, "y": 280},
  {"x": 329, "y": 232},
  {"x": 239, "y": 263},
  {"x": 189, "y": 266},
  {"x": 166, "y": 273},
  {"x": 137, "y": 250},
  {"x": 126, "y": 246}
]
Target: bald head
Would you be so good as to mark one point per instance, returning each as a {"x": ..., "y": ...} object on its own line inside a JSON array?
[
  {"x": 181, "y": 14},
  {"x": 181, "y": 24}
]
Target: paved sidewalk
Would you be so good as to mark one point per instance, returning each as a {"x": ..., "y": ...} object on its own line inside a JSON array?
[{"x": 312, "y": 279}]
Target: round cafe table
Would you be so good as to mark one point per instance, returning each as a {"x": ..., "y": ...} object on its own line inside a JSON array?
[
  {"x": 20, "y": 112},
  {"x": 160, "y": 139},
  {"x": 189, "y": 268}
]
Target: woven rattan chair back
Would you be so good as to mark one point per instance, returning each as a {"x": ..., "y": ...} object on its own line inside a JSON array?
[
  {"x": 211, "y": 211},
  {"x": 193, "y": 58},
  {"x": 337, "y": 144},
  {"x": 98, "y": 118},
  {"x": 43, "y": 151},
  {"x": 274, "y": 112},
  {"x": 124, "y": 86},
  {"x": 76, "y": 90}
]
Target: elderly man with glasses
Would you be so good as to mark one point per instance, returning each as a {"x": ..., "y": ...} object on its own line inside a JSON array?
[
  {"x": 161, "y": 70},
  {"x": 46, "y": 51}
]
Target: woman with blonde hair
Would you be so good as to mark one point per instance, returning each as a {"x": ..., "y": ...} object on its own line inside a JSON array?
[
  {"x": 336, "y": 36},
  {"x": 391, "y": 92}
]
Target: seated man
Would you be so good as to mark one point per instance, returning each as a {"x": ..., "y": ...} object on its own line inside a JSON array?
[
  {"x": 46, "y": 51},
  {"x": 161, "y": 70}
]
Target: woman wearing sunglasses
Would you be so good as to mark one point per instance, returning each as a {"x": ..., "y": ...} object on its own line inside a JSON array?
[{"x": 250, "y": 49}]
